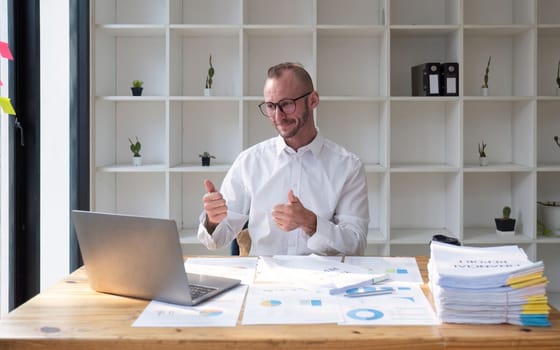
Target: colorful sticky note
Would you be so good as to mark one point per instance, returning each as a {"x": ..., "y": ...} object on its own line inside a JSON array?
[
  {"x": 5, "y": 50},
  {"x": 6, "y": 105}
]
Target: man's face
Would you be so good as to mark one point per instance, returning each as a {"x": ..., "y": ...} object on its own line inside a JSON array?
[{"x": 295, "y": 124}]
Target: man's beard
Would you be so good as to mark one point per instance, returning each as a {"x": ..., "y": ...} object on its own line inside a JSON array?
[{"x": 299, "y": 124}]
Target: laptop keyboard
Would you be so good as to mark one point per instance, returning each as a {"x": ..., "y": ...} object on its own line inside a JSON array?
[{"x": 197, "y": 291}]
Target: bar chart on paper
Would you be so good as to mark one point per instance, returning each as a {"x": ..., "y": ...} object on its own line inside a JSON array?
[{"x": 283, "y": 304}]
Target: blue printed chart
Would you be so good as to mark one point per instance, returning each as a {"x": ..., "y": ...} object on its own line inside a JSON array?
[
  {"x": 406, "y": 306},
  {"x": 365, "y": 314},
  {"x": 283, "y": 304},
  {"x": 271, "y": 303}
]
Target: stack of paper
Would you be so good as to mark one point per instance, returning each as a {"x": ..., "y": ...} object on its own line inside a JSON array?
[{"x": 487, "y": 285}]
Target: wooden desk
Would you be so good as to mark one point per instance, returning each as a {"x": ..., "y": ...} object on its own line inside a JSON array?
[{"x": 71, "y": 316}]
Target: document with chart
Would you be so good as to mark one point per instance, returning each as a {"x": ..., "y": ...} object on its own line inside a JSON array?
[
  {"x": 313, "y": 271},
  {"x": 241, "y": 268},
  {"x": 221, "y": 311},
  {"x": 288, "y": 304},
  {"x": 397, "y": 269},
  {"x": 406, "y": 305}
]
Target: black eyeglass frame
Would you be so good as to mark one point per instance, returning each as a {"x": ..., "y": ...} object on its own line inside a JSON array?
[{"x": 277, "y": 105}]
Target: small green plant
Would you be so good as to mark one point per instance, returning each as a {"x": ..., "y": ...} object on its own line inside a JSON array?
[
  {"x": 135, "y": 147},
  {"x": 506, "y": 212},
  {"x": 206, "y": 155},
  {"x": 210, "y": 75},
  {"x": 485, "y": 85},
  {"x": 505, "y": 224},
  {"x": 482, "y": 149},
  {"x": 206, "y": 158},
  {"x": 542, "y": 230},
  {"x": 137, "y": 83}
]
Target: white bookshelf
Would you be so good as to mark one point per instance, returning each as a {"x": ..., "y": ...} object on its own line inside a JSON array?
[{"x": 420, "y": 153}]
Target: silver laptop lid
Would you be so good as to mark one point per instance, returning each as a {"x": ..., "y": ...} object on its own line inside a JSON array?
[{"x": 133, "y": 256}]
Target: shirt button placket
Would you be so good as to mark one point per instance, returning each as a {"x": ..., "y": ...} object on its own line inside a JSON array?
[
  {"x": 297, "y": 191},
  {"x": 295, "y": 181}
]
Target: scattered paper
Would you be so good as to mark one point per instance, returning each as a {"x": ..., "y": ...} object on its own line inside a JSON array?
[
  {"x": 398, "y": 269},
  {"x": 241, "y": 268},
  {"x": 311, "y": 271},
  {"x": 220, "y": 311},
  {"x": 283, "y": 304},
  {"x": 296, "y": 290},
  {"x": 406, "y": 306}
]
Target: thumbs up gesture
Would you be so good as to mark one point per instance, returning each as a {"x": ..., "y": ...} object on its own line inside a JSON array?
[
  {"x": 214, "y": 205},
  {"x": 292, "y": 215}
]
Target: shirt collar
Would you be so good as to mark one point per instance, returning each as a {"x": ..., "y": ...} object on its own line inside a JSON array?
[{"x": 315, "y": 145}]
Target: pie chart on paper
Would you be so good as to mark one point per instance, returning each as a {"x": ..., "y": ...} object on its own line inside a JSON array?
[
  {"x": 365, "y": 314},
  {"x": 271, "y": 303},
  {"x": 210, "y": 312}
]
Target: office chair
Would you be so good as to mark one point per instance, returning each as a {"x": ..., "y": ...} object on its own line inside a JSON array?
[{"x": 242, "y": 244}]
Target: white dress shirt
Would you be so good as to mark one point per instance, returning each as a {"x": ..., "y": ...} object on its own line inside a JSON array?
[{"x": 327, "y": 179}]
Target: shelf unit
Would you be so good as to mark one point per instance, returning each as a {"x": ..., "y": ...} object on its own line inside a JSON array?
[{"x": 420, "y": 153}]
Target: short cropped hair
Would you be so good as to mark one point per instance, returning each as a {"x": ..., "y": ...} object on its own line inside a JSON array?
[{"x": 301, "y": 74}]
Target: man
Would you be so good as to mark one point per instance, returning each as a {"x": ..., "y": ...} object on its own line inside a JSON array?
[{"x": 300, "y": 192}]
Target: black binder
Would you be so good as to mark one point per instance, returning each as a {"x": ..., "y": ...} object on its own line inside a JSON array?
[
  {"x": 426, "y": 79},
  {"x": 449, "y": 79}
]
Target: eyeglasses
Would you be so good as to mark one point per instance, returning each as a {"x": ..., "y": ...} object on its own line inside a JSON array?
[{"x": 286, "y": 106}]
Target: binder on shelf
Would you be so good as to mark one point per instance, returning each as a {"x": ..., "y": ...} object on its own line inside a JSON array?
[
  {"x": 449, "y": 79},
  {"x": 426, "y": 79}
]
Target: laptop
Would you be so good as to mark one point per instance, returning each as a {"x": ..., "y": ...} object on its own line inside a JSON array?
[{"x": 140, "y": 257}]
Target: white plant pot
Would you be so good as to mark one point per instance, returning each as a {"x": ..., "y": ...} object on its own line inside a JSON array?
[
  {"x": 208, "y": 92},
  {"x": 484, "y": 91},
  {"x": 483, "y": 161},
  {"x": 136, "y": 161},
  {"x": 550, "y": 217},
  {"x": 505, "y": 233}
]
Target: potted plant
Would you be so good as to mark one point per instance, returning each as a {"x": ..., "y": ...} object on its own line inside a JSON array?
[
  {"x": 209, "y": 78},
  {"x": 505, "y": 224},
  {"x": 483, "y": 161},
  {"x": 137, "y": 87},
  {"x": 205, "y": 157},
  {"x": 542, "y": 230},
  {"x": 549, "y": 214},
  {"x": 484, "y": 87},
  {"x": 135, "y": 148}
]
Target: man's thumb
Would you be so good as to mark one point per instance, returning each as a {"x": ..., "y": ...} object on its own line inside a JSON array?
[
  {"x": 209, "y": 186},
  {"x": 292, "y": 198}
]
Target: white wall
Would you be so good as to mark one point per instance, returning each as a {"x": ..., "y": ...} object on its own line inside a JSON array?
[{"x": 55, "y": 205}]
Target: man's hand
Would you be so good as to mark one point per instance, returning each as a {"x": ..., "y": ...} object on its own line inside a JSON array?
[
  {"x": 294, "y": 215},
  {"x": 214, "y": 205}
]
